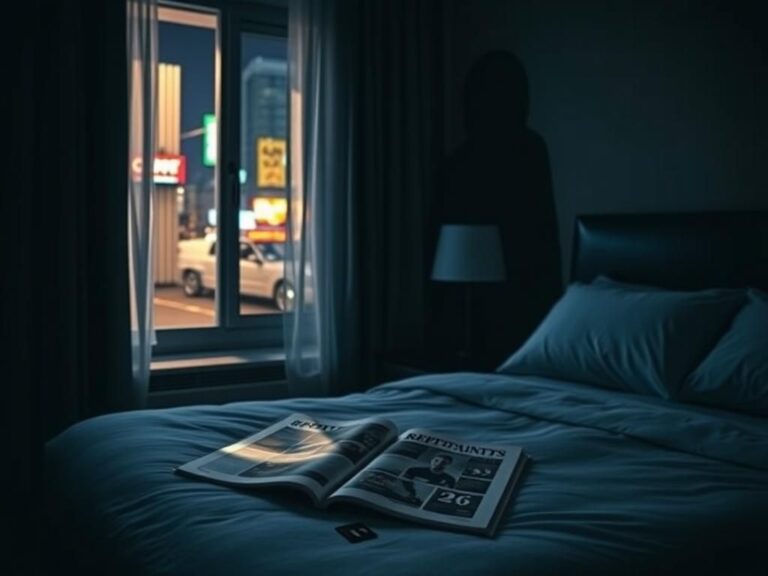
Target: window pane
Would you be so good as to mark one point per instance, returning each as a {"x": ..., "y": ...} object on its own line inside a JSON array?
[
  {"x": 263, "y": 176},
  {"x": 185, "y": 170}
]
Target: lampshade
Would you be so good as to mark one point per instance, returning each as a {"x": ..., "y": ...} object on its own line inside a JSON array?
[{"x": 469, "y": 253}]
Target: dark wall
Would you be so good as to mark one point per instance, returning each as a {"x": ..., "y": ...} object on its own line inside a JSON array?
[{"x": 644, "y": 105}]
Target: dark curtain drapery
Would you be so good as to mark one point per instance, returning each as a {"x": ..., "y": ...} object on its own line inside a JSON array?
[
  {"x": 367, "y": 79},
  {"x": 79, "y": 312},
  {"x": 65, "y": 292},
  {"x": 400, "y": 62}
]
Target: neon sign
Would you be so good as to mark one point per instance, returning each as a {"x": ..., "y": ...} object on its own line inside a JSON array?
[{"x": 167, "y": 169}]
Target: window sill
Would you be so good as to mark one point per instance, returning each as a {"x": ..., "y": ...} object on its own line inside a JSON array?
[
  {"x": 184, "y": 363},
  {"x": 218, "y": 376}
]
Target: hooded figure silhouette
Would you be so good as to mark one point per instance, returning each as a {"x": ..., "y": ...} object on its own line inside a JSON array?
[{"x": 500, "y": 175}]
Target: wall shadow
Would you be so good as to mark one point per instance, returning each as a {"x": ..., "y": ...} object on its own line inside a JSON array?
[{"x": 500, "y": 174}]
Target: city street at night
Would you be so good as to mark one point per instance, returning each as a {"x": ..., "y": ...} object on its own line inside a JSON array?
[{"x": 175, "y": 310}]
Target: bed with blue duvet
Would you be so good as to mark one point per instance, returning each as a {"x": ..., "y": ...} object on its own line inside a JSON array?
[{"x": 642, "y": 404}]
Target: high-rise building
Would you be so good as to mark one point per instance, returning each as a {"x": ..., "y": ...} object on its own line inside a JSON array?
[{"x": 264, "y": 129}]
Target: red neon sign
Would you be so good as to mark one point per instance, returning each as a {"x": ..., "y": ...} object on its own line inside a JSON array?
[{"x": 167, "y": 169}]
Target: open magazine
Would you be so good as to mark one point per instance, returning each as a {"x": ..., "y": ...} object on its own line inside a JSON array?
[{"x": 417, "y": 475}]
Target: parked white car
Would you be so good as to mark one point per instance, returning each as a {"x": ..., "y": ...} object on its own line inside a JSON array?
[{"x": 262, "y": 272}]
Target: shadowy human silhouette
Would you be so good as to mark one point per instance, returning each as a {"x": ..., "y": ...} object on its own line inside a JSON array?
[{"x": 500, "y": 175}]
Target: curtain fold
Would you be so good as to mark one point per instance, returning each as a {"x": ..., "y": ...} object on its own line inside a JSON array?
[
  {"x": 400, "y": 134},
  {"x": 142, "y": 95},
  {"x": 365, "y": 80},
  {"x": 321, "y": 260},
  {"x": 75, "y": 297},
  {"x": 66, "y": 300},
  {"x": 75, "y": 304}
]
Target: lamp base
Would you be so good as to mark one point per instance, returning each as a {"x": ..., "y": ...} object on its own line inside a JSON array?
[{"x": 465, "y": 353}]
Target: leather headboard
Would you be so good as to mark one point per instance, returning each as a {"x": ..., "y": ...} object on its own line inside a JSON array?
[{"x": 674, "y": 250}]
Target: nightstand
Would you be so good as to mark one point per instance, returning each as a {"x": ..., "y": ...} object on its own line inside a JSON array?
[{"x": 406, "y": 364}]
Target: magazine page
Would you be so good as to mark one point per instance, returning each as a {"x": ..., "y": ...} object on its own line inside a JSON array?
[
  {"x": 438, "y": 480},
  {"x": 315, "y": 455}
]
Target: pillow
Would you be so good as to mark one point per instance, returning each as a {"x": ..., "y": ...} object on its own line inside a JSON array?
[
  {"x": 734, "y": 375},
  {"x": 625, "y": 337}
]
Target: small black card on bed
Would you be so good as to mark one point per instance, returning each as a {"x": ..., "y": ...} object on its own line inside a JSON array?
[
  {"x": 357, "y": 532},
  {"x": 418, "y": 475}
]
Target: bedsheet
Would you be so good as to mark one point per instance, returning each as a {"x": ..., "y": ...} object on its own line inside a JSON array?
[{"x": 618, "y": 484}]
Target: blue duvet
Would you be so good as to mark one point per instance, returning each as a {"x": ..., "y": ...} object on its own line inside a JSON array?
[{"x": 619, "y": 484}]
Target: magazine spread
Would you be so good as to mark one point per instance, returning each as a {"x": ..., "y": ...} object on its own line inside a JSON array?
[{"x": 417, "y": 475}]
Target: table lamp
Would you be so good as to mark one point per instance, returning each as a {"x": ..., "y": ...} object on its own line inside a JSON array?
[{"x": 469, "y": 254}]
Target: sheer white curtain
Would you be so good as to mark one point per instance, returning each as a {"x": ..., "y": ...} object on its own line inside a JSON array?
[
  {"x": 142, "y": 100},
  {"x": 322, "y": 329}
]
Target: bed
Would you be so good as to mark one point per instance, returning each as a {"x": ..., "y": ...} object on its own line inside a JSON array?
[{"x": 636, "y": 468}]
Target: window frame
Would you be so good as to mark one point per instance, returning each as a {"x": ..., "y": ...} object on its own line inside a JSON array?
[{"x": 234, "y": 331}]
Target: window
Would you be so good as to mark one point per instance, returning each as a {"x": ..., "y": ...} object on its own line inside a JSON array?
[{"x": 221, "y": 177}]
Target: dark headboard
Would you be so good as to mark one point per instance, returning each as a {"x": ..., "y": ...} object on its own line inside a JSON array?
[{"x": 674, "y": 250}]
